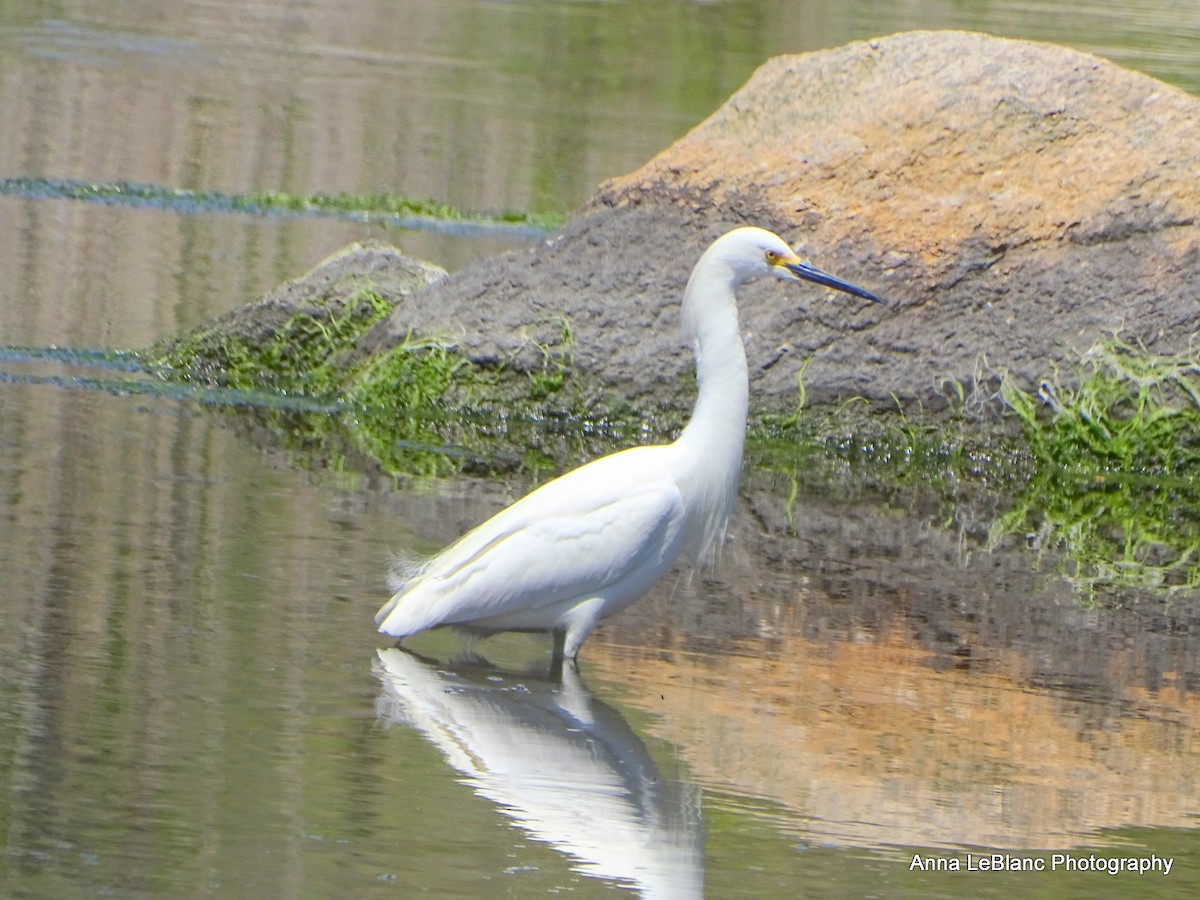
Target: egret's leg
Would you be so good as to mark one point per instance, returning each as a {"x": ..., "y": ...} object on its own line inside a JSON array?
[
  {"x": 583, "y": 619},
  {"x": 556, "y": 658}
]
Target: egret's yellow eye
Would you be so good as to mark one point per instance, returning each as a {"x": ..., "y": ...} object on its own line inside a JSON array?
[{"x": 772, "y": 257}]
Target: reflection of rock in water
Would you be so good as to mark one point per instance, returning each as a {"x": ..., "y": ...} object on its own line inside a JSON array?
[{"x": 565, "y": 767}]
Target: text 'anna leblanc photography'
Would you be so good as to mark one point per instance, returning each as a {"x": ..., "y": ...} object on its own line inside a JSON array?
[{"x": 1055, "y": 862}]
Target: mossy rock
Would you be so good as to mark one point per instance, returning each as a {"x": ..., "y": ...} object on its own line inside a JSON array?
[{"x": 301, "y": 336}]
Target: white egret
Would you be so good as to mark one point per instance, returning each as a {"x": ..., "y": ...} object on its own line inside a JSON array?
[{"x": 589, "y": 543}]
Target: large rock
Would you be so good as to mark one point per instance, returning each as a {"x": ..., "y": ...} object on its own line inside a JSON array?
[{"x": 1011, "y": 201}]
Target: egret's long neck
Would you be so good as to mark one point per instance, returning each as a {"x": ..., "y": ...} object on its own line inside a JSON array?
[{"x": 712, "y": 441}]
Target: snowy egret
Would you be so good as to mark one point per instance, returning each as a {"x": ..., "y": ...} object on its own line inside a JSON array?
[{"x": 589, "y": 543}]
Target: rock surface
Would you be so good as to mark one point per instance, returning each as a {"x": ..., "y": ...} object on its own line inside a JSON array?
[{"x": 1012, "y": 201}]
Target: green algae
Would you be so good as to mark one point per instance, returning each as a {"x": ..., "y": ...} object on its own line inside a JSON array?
[
  {"x": 1118, "y": 408},
  {"x": 293, "y": 352},
  {"x": 1116, "y": 492},
  {"x": 1095, "y": 471},
  {"x": 420, "y": 407}
]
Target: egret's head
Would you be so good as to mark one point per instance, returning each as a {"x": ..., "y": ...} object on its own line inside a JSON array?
[{"x": 757, "y": 253}]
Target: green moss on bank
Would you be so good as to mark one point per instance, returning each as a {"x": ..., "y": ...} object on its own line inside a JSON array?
[
  {"x": 1120, "y": 409},
  {"x": 303, "y": 352},
  {"x": 419, "y": 407},
  {"x": 1097, "y": 471},
  {"x": 1116, "y": 488},
  {"x": 1098, "y": 465}
]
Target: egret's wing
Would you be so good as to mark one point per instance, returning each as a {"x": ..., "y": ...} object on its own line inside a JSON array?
[{"x": 568, "y": 542}]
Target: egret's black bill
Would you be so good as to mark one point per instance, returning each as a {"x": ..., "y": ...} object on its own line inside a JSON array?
[{"x": 816, "y": 276}]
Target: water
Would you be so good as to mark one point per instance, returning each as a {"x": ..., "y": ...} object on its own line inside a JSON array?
[{"x": 193, "y": 699}]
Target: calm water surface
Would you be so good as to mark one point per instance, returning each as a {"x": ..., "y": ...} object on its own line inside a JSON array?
[{"x": 192, "y": 699}]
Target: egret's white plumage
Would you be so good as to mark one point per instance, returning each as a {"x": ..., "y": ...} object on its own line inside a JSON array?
[{"x": 588, "y": 544}]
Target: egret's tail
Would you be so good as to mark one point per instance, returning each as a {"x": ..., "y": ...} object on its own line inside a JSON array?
[
  {"x": 404, "y": 570},
  {"x": 386, "y": 609}
]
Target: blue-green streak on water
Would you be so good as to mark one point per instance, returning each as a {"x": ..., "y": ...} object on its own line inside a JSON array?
[
  {"x": 388, "y": 210},
  {"x": 140, "y": 380}
]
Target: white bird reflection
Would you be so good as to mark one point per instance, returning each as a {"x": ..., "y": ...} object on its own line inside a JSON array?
[{"x": 564, "y": 766}]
